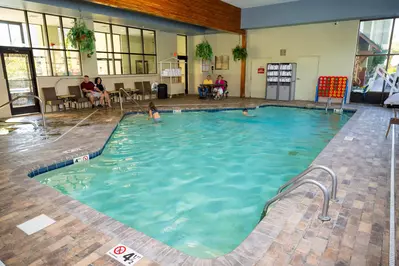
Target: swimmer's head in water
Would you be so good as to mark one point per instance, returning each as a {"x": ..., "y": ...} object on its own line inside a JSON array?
[{"x": 245, "y": 111}]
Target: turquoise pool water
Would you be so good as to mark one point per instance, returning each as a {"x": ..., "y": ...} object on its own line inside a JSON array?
[{"x": 198, "y": 181}]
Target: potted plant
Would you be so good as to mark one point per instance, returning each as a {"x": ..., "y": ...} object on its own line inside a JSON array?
[
  {"x": 82, "y": 38},
  {"x": 239, "y": 53},
  {"x": 204, "y": 51}
]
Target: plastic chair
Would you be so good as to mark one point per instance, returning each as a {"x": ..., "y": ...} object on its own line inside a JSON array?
[
  {"x": 147, "y": 89},
  {"x": 139, "y": 87},
  {"x": 50, "y": 98},
  {"x": 78, "y": 100}
]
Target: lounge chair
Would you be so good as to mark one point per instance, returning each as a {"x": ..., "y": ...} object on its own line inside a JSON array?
[
  {"x": 50, "y": 98},
  {"x": 78, "y": 100}
]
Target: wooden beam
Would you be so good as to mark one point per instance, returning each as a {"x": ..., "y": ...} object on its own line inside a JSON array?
[
  {"x": 213, "y": 14},
  {"x": 243, "y": 67}
]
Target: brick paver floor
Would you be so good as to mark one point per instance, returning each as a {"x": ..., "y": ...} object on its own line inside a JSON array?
[{"x": 290, "y": 234}]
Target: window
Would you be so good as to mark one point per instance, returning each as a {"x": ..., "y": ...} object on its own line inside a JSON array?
[
  {"x": 52, "y": 54},
  {"x": 181, "y": 45},
  {"x": 395, "y": 38},
  {"x": 222, "y": 62},
  {"x": 124, "y": 50},
  {"x": 374, "y": 36},
  {"x": 13, "y": 29},
  {"x": 378, "y": 44}
]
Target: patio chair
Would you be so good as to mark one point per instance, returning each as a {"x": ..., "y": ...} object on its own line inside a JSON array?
[
  {"x": 139, "y": 87},
  {"x": 78, "y": 100},
  {"x": 50, "y": 98},
  {"x": 147, "y": 88},
  {"x": 117, "y": 87}
]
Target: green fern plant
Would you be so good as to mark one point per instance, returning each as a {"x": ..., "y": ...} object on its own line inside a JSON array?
[
  {"x": 204, "y": 51},
  {"x": 239, "y": 53},
  {"x": 82, "y": 38}
]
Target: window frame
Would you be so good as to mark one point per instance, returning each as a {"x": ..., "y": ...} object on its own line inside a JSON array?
[
  {"x": 128, "y": 53},
  {"x": 20, "y": 28},
  {"x": 389, "y": 54},
  {"x": 46, "y": 42},
  {"x": 45, "y": 36}
]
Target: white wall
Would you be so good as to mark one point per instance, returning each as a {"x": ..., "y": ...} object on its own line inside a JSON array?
[
  {"x": 335, "y": 45},
  {"x": 222, "y": 44}
]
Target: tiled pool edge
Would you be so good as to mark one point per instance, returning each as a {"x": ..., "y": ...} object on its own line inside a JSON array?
[
  {"x": 92, "y": 155},
  {"x": 247, "y": 253}
]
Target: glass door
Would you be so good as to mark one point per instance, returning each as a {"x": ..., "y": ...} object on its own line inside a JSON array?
[
  {"x": 20, "y": 78},
  {"x": 183, "y": 67}
]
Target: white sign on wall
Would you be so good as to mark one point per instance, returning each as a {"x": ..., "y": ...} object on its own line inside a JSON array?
[
  {"x": 80, "y": 159},
  {"x": 125, "y": 255}
]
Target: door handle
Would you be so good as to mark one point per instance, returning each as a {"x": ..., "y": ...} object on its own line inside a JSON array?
[{"x": 298, "y": 78}]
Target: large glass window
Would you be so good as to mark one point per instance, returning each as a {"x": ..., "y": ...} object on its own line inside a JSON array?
[
  {"x": 395, "y": 38},
  {"x": 13, "y": 29},
  {"x": 181, "y": 45},
  {"x": 378, "y": 45},
  {"x": 52, "y": 53},
  {"x": 124, "y": 50}
]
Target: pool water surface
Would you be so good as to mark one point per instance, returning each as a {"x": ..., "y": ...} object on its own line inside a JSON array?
[{"x": 198, "y": 181}]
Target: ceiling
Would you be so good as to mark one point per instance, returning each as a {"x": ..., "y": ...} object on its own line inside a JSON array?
[{"x": 255, "y": 3}]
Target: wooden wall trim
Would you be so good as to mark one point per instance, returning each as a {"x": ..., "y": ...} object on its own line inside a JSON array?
[
  {"x": 243, "y": 67},
  {"x": 213, "y": 14}
]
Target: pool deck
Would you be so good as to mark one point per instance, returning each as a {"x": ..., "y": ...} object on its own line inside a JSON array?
[{"x": 290, "y": 234}]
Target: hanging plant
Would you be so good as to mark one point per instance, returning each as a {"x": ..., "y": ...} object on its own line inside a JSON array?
[
  {"x": 204, "y": 51},
  {"x": 81, "y": 37},
  {"x": 239, "y": 53}
]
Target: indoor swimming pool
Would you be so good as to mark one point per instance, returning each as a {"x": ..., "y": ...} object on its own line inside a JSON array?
[{"x": 198, "y": 180}]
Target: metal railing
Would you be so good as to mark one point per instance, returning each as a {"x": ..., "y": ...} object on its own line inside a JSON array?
[
  {"x": 324, "y": 213},
  {"x": 392, "y": 218},
  {"x": 29, "y": 96},
  {"x": 131, "y": 98},
  {"x": 310, "y": 169},
  {"x": 328, "y": 104}
]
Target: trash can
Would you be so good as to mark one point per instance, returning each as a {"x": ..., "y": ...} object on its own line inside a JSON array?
[{"x": 162, "y": 91}]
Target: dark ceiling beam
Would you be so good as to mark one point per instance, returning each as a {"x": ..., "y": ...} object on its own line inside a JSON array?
[{"x": 213, "y": 14}]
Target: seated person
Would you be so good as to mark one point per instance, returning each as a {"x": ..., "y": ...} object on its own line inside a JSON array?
[
  {"x": 203, "y": 90},
  {"x": 219, "y": 90},
  {"x": 91, "y": 91},
  {"x": 98, "y": 82}
]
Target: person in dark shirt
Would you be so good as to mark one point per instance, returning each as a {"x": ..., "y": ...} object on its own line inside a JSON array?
[
  {"x": 91, "y": 91},
  {"x": 98, "y": 82}
]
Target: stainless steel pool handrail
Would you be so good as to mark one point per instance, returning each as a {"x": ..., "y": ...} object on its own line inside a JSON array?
[
  {"x": 131, "y": 98},
  {"x": 29, "y": 96},
  {"x": 326, "y": 195},
  {"x": 310, "y": 169}
]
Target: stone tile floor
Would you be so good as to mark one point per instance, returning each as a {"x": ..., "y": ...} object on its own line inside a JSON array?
[{"x": 290, "y": 234}]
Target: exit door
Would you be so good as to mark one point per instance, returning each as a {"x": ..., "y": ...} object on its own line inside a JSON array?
[{"x": 20, "y": 80}]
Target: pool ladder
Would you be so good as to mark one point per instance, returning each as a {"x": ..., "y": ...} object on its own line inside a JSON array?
[{"x": 296, "y": 182}]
